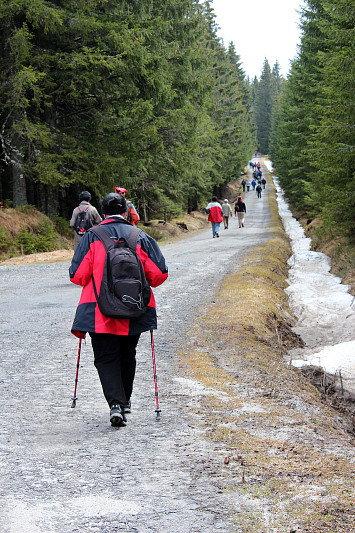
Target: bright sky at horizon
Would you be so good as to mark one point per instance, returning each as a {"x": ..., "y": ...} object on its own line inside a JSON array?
[{"x": 260, "y": 29}]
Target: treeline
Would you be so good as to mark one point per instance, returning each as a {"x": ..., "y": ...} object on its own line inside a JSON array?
[
  {"x": 312, "y": 139},
  {"x": 104, "y": 93}
]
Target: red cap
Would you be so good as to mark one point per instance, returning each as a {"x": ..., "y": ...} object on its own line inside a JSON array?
[{"x": 120, "y": 190}]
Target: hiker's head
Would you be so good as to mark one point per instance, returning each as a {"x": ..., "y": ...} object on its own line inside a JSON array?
[
  {"x": 226, "y": 201},
  {"x": 214, "y": 198},
  {"x": 240, "y": 199},
  {"x": 120, "y": 190},
  {"x": 113, "y": 204},
  {"x": 84, "y": 196}
]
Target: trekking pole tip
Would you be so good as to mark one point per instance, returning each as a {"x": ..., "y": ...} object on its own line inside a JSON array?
[
  {"x": 158, "y": 411},
  {"x": 74, "y": 402}
]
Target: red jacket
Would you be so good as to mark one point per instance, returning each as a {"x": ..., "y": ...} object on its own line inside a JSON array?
[
  {"x": 214, "y": 210},
  {"x": 132, "y": 215},
  {"x": 88, "y": 261}
]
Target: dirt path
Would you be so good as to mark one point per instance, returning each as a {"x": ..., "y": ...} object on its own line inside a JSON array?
[{"x": 66, "y": 470}]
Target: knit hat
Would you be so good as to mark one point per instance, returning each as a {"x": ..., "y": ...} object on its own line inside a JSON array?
[{"x": 113, "y": 204}]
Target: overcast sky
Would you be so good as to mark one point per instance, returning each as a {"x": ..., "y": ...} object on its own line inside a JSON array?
[{"x": 260, "y": 29}]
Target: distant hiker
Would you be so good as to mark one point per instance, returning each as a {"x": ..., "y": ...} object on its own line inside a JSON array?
[
  {"x": 263, "y": 182},
  {"x": 251, "y": 164},
  {"x": 253, "y": 184},
  {"x": 214, "y": 212},
  {"x": 240, "y": 210},
  {"x": 114, "y": 340},
  {"x": 243, "y": 184},
  {"x": 258, "y": 191},
  {"x": 248, "y": 185},
  {"x": 84, "y": 217},
  {"x": 226, "y": 212},
  {"x": 255, "y": 154},
  {"x": 132, "y": 215}
]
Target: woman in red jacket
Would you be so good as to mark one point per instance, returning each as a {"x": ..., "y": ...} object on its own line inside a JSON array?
[
  {"x": 114, "y": 340},
  {"x": 214, "y": 211}
]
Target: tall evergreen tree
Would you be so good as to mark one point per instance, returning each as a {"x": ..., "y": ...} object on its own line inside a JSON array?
[{"x": 263, "y": 108}]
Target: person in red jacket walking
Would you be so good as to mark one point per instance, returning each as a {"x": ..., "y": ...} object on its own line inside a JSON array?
[
  {"x": 132, "y": 215},
  {"x": 214, "y": 211},
  {"x": 114, "y": 340}
]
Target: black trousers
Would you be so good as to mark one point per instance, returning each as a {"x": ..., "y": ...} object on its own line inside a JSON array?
[{"x": 115, "y": 361}]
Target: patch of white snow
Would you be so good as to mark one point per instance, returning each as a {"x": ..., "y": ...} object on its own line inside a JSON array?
[{"x": 322, "y": 304}]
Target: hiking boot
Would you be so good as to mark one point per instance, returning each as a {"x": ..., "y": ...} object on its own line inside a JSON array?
[
  {"x": 128, "y": 407},
  {"x": 217, "y": 235},
  {"x": 117, "y": 417}
]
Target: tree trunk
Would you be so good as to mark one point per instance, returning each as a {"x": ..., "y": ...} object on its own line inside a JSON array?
[
  {"x": 19, "y": 194},
  {"x": 52, "y": 202}
]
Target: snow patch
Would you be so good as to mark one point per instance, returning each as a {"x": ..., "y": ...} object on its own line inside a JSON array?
[{"x": 322, "y": 304}]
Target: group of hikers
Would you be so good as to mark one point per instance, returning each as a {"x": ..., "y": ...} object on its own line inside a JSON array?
[
  {"x": 86, "y": 215},
  {"x": 218, "y": 213},
  {"x": 116, "y": 264}
]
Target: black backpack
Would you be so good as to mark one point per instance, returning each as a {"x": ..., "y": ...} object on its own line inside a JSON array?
[
  {"x": 124, "y": 290},
  {"x": 83, "y": 221}
]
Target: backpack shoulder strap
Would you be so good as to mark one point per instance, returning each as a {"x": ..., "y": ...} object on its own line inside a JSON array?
[
  {"x": 133, "y": 238},
  {"x": 103, "y": 237}
]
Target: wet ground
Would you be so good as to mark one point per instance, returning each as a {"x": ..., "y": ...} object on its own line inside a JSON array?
[{"x": 66, "y": 470}]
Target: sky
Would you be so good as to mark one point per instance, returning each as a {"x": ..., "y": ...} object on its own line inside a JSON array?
[{"x": 260, "y": 29}]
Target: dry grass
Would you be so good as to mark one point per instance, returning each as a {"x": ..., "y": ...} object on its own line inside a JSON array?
[{"x": 14, "y": 221}]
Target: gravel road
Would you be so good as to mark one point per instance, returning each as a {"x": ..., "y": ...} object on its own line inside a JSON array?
[{"x": 66, "y": 470}]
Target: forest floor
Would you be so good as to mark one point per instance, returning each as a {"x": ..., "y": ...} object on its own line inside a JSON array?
[{"x": 246, "y": 444}]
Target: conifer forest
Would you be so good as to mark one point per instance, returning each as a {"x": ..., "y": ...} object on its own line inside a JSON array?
[{"x": 144, "y": 94}]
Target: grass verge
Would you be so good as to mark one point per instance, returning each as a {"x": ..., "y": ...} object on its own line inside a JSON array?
[{"x": 288, "y": 457}]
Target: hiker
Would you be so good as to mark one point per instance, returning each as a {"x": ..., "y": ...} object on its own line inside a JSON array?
[
  {"x": 243, "y": 184},
  {"x": 248, "y": 185},
  {"x": 226, "y": 213},
  {"x": 114, "y": 340},
  {"x": 240, "y": 210},
  {"x": 258, "y": 190},
  {"x": 92, "y": 216},
  {"x": 132, "y": 215},
  {"x": 253, "y": 184},
  {"x": 263, "y": 181},
  {"x": 214, "y": 212}
]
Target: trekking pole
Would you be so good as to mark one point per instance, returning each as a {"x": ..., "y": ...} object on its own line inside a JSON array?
[
  {"x": 76, "y": 377},
  {"x": 157, "y": 410}
]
